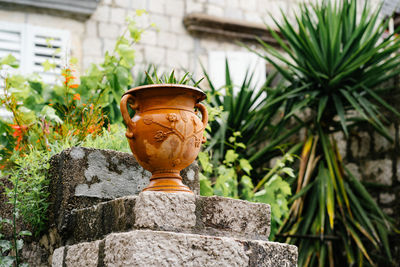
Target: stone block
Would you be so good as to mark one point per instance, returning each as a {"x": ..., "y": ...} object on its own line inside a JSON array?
[
  {"x": 271, "y": 254},
  {"x": 91, "y": 29},
  {"x": 242, "y": 218},
  {"x": 177, "y": 59},
  {"x": 252, "y": 16},
  {"x": 193, "y": 7},
  {"x": 154, "y": 55},
  {"x": 108, "y": 30},
  {"x": 162, "y": 22},
  {"x": 250, "y": 5},
  {"x": 123, "y": 3},
  {"x": 92, "y": 47},
  {"x": 139, "y": 4},
  {"x": 379, "y": 171},
  {"x": 154, "y": 248},
  {"x": 102, "y": 13},
  {"x": 185, "y": 43},
  {"x": 398, "y": 169},
  {"x": 360, "y": 145},
  {"x": 217, "y": 2},
  {"x": 149, "y": 37},
  {"x": 386, "y": 198},
  {"x": 355, "y": 170},
  {"x": 95, "y": 59},
  {"x": 168, "y": 40},
  {"x": 177, "y": 26},
  {"x": 157, "y": 210},
  {"x": 175, "y": 8},
  {"x": 388, "y": 211},
  {"x": 381, "y": 144},
  {"x": 156, "y": 6},
  {"x": 108, "y": 45},
  {"x": 82, "y": 254},
  {"x": 233, "y": 13},
  {"x": 215, "y": 10},
  {"x": 341, "y": 143},
  {"x": 118, "y": 15},
  {"x": 58, "y": 257},
  {"x": 148, "y": 248},
  {"x": 82, "y": 177}
]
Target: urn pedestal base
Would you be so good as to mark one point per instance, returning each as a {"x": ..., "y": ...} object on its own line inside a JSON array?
[{"x": 168, "y": 182}]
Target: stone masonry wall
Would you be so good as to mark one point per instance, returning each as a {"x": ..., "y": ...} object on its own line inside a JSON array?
[{"x": 171, "y": 46}]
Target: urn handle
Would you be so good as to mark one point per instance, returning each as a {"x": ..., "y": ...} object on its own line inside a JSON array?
[
  {"x": 131, "y": 100},
  {"x": 204, "y": 116}
]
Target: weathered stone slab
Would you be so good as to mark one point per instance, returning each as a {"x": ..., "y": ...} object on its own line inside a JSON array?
[
  {"x": 81, "y": 177},
  {"x": 93, "y": 223},
  {"x": 166, "y": 211},
  {"x": 58, "y": 257},
  {"x": 86, "y": 254},
  {"x": 155, "y": 248},
  {"x": 246, "y": 219},
  {"x": 170, "y": 212}
]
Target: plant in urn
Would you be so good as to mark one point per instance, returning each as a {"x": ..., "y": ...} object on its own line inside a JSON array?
[{"x": 165, "y": 135}]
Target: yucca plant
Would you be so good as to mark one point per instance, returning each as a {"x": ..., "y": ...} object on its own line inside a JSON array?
[
  {"x": 245, "y": 109},
  {"x": 337, "y": 61}
]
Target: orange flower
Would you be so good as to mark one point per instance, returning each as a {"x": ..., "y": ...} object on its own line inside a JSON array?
[
  {"x": 77, "y": 97},
  {"x": 67, "y": 73},
  {"x": 18, "y": 133},
  {"x": 92, "y": 129}
]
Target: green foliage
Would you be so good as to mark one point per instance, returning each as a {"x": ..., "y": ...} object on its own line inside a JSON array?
[
  {"x": 108, "y": 80},
  {"x": 337, "y": 59},
  {"x": 248, "y": 110},
  {"x": 47, "y": 113},
  {"x": 232, "y": 178},
  {"x": 113, "y": 138},
  {"x": 43, "y": 113},
  {"x": 28, "y": 177},
  {"x": 29, "y": 187},
  {"x": 9, "y": 249},
  {"x": 171, "y": 79}
]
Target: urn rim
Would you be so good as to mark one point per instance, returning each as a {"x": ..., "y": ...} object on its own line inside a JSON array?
[{"x": 198, "y": 91}]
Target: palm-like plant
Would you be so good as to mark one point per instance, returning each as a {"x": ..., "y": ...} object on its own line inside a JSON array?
[
  {"x": 337, "y": 59},
  {"x": 245, "y": 110}
]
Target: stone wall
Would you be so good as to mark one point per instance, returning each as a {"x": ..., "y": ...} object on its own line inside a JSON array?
[
  {"x": 171, "y": 46},
  {"x": 376, "y": 161}
]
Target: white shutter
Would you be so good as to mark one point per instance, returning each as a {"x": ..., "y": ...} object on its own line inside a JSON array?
[
  {"x": 33, "y": 45},
  {"x": 12, "y": 37},
  {"x": 43, "y": 44}
]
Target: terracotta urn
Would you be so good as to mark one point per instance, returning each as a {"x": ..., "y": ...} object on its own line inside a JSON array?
[{"x": 165, "y": 135}]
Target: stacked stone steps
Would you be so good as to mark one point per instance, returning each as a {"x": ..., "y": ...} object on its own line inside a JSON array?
[
  {"x": 100, "y": 219},
  {"x": 158, "y": 229},
  {"x": 183, "y": 213}
]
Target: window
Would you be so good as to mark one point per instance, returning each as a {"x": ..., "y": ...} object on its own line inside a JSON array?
[{"x": 33, "y": 45}]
